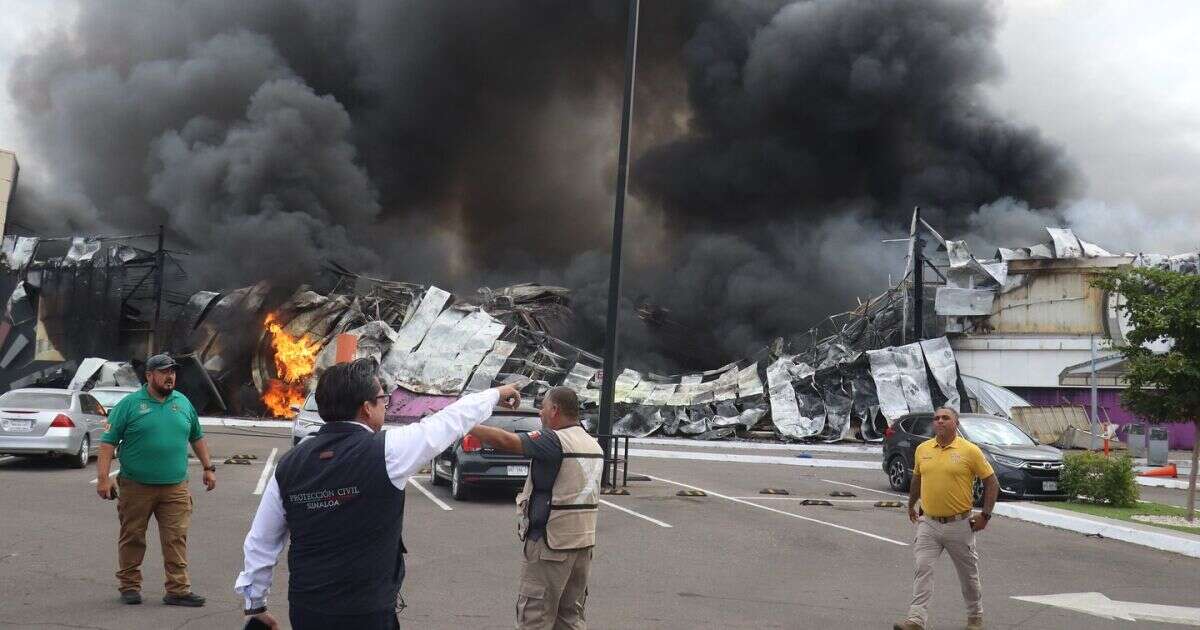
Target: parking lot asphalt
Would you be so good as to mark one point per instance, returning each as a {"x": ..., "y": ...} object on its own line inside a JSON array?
[{"x": 734, "y": 558}]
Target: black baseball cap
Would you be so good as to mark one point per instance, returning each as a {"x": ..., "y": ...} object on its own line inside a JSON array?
[{"x": 161, "y": 362}]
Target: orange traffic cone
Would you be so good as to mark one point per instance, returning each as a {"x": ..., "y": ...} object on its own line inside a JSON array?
[{"x": 1166, "y": 471}]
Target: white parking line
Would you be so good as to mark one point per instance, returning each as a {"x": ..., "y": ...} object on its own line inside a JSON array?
[
  {"x": 842, "y": 483},
  {"x": 629, "y": 511},
  {"x": 439, "y": 502},
  {"x": 266, "y": 473},
  {"x": 110, "y": 474},
  {"x": 770, "y": 509}
]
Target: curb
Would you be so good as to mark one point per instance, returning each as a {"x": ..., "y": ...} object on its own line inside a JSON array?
[
  {"x": 756, "y": 459},
  {"x": 867, "y": 449},
  {"x": 1163, "y": 482},
  {"x": 1189, "y": 546},
  {"x": 1154, "y": 482},
  {"x": 237, "y": 422}
]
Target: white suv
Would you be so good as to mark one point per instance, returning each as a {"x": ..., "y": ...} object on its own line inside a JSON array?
[{"x": 307, "y": 422}]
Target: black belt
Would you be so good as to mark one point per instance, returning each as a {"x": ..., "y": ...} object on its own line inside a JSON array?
[{"x": 950, "y": 519}]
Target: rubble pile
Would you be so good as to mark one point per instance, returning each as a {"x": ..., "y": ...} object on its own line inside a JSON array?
[{"x": 845, "y": 379}]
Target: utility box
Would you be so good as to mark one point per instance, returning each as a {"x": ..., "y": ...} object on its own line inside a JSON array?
[
  {"x": 1156, "y": 446},
  {"x": 1135, "y": 439}
]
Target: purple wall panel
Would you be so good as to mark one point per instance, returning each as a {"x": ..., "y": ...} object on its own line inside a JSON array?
[
  {"x": 1181, "y": 435},
  {"x": 408, "y": 407}
]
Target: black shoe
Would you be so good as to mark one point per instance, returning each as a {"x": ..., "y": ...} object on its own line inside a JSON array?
[
  {"x": 131, "y": 597},
  {"x": 191, "y": 600}
]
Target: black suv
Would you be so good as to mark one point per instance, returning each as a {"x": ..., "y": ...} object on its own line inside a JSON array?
[{"x": 1024, "y": 468}]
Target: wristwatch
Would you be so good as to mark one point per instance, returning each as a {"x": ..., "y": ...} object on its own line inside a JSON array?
[
  {"x": 255, "y": 611},
  {"x": 211, "y": 468}
]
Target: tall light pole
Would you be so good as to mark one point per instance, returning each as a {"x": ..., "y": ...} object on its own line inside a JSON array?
[
  {"x": 608, "y": 387},
  {"x": 918, "y": 279}
]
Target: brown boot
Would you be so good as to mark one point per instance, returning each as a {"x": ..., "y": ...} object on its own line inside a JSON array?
[
  {"x": 907, "y": 625},
  {"x": 975, "y": 623}
]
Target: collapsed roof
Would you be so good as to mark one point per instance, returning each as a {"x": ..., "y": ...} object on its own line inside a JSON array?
[
  {"x": 845, "y": 378},
  {"x": 430, "y": 342}
]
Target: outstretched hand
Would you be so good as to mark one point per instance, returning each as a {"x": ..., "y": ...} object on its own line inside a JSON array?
[{"x": 510, "y": 397}]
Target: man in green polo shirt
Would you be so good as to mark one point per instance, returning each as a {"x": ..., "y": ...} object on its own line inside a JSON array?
[{"x": 153, "y": 428}]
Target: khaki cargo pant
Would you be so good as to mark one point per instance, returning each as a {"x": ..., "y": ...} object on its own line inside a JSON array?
[
  {"x": 171, "y": 506},
  {"x": 553, "y": 587},
  {"x": 958, "y": 540}
]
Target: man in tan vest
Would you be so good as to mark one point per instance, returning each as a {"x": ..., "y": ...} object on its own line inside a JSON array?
[{"x": 557, "y": 512}]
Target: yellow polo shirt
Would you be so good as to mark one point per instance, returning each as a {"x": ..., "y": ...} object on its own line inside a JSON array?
[{"x": 948, "y": 474}]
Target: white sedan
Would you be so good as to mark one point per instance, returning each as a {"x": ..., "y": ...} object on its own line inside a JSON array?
[{"x": 36, "y": 421}]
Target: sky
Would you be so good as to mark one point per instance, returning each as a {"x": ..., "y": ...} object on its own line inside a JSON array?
[
  {"x": 1112, "y": 82},
  {"x": 21, "y": 21}
]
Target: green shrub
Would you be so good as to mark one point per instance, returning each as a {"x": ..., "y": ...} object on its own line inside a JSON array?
[{"x": 1099, "y": 479}]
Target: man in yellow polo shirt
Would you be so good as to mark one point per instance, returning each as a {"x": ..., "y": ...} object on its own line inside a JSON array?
[{"x": 944, "y": 472}]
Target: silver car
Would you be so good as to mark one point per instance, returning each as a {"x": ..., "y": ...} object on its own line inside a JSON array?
[
  {"x": 307, "y": 420},
  {"x": 51, "y": 422},
  {"x": 108, "y": 397}
]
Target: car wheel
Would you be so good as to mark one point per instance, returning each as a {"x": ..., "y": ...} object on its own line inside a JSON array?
[
  {"x": 458, "y": 489},
  {"x": 898, "y": 477},
  {"x": 433, "y": 476},
  {"x": 80, "y": 459},
  {"x": 977, "y": 493}
]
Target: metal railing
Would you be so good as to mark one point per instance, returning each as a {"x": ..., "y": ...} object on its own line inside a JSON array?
[{"x": 617, "y": 455}]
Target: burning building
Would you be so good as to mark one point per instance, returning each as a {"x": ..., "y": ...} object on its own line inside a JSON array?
[
  {"x": 1029, "y": 319},
  {"x": 72, "y": 298},
  {"x": 258, "y": 350},
  {"x": 775, "y": 141}
]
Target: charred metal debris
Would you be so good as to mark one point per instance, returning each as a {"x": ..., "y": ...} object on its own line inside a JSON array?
[
  {"x": 96, "y": 298},
  {"x": 74, "y": 299}
]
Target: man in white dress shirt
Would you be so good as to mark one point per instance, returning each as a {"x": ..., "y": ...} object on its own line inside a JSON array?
[{"x": 340, "y": 496}]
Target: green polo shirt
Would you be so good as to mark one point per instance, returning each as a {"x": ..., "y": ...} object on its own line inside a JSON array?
[{"x": 153, "y": 436}]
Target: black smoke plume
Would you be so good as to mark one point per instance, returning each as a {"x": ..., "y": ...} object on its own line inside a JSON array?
[{"x": 466, "y": 143}]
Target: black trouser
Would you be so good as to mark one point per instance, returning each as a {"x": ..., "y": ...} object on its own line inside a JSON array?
[{"x": 303, "y": 619}]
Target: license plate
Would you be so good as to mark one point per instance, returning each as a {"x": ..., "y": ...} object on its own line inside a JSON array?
[
  {"x": 18, "y": 425},
  {"x": 518, "y": 471},
  {"x": 1049, "y": 486}
]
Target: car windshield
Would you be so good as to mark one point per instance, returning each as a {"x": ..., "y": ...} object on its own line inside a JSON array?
[
  {"x": 994, "y": 432},
  {"x": 108, "y": 399},
  {"x": 311, "y": 403},
  {"x": 35, "y": 400}
]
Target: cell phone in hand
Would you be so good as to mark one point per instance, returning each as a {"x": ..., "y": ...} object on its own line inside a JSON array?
[{"x": 254, "y": 623}]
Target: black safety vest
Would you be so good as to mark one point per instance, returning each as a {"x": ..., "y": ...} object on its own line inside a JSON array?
[{"x": 346, "y": 520}]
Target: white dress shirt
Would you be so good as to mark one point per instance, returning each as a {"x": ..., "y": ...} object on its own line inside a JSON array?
[{"x": 406, "y": 449}]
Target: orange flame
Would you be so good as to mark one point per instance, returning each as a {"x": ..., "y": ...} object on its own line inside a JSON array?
[{"x": 294, "y": 361}]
